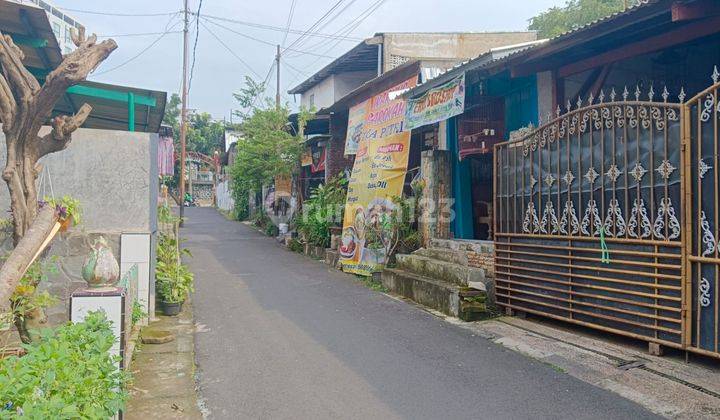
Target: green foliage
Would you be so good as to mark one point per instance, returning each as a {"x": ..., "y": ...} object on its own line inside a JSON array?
[
  {"x": 138, "y": 313},
  {"x": 267, "y": 149},
  {"x": 172, "y": 112},
  {"x": 321, "y": 211},
  {"x": 296, "y": 246},
  {"x": 68, "y": 208},
  {"x": 397, "y": 231},
  {"x": 165, "y": 215},
  {"x": 173, "y": 279},
  {"x": 574, "y": 14},
  {"x": 69, "y": 373},
  {"x": 26, "y": 300}
]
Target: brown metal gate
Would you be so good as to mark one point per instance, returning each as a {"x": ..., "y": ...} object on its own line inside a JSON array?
[
  {"x": 608, "y": 216},
  {"x": 603, "y": 175},
  {"x": 700, "y": 132}
]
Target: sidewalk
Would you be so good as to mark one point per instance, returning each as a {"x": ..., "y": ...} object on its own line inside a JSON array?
[{"x": 163, "y": 374}]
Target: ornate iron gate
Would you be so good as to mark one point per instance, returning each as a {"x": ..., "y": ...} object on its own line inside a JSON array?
[
  {"x": 700, "y": 131},
  {"x": 588, "y": 218}
]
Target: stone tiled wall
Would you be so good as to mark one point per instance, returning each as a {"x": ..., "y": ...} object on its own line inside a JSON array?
[{"x": 480, "y": 254}]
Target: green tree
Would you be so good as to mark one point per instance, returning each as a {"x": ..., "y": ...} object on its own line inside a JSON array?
[
  {"x": 268, "y": 147},
  {"x": 172, "y": 112},
  {"x": 204, "y": 134},
  {"x": 574, "y": 14}
]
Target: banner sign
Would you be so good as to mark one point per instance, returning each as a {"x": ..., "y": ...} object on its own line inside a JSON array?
[
  {"x": 306, "y": 157},
  {"x": 356, "y": 119},
  {"x": 437, "y": 104},
  {"x": 378, "y": 175}
]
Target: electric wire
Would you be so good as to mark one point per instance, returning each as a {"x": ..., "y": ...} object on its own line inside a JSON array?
[
  {"x": 136, "y": 34},
  {"x": 349, "y": 27},
  {"x": 274, "y": 28},
  {"x": 314, "y": 25},
  {"x": 144, "y": 50},
  {"x": 197, "y": 36},
  {"x": 289, "y": 21},
  {"x": 328, "y": 22},
  {"x": 229, "y": 49},
  {"x": 93, "y": 12},
  {"x": 301, "y": 52}
]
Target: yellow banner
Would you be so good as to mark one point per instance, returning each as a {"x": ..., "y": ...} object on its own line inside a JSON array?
[{"x": 378, "y": 175}]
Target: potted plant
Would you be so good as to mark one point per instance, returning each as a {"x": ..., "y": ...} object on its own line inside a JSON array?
[
  {"x": 174, "y": 283},
  {"x": 173, "y": 279},
  {"x": 69, "y": 210}
]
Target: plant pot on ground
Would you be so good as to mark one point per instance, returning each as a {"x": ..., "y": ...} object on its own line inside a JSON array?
[{"x": 170, "y": 308}]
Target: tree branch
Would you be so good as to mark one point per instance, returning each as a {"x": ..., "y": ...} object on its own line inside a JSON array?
[
  {"x": 26, "y": 250},
  {"x": 60, "y": 136},
  {"x": 75, "y": 68},
  {"x": 18, "y": 77},
  {"x": 8, "y": 107}
]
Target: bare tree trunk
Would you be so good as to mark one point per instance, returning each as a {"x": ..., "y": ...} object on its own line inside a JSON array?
[{"x": 25, "y": 107}]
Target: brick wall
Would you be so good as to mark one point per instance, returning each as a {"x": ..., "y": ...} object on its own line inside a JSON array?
[{"x": 335, "y": 159}]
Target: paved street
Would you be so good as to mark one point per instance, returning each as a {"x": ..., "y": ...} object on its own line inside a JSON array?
[{"x": 283, "y": 336}]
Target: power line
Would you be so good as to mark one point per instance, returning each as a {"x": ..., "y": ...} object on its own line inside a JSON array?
[
  {"x": 350, "y": 26},
  {"x": 137, "y": 34},
  {"x": 92, "y": 12},
  {"x": 262, "y": 41},
  {"x": 314, "y": 25},
  {"x": 329, "y": 21},
  {"x": 289, "y": 21},
  {"x": 229, "y": 49},
  {"x": 167, "y": 31},
  {"x": 275, "y": 28},
  {"x": 197, "y": 36}
]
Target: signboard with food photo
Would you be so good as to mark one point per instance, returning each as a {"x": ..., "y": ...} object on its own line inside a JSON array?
[{"x": 378, "y": 175}]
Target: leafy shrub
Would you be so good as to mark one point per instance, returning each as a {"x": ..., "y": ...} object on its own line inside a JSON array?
[
  {"x": 68, "y": 208},
  {"x": 69, "y": 373},
  {"x": 173, "y": 279},
  {"x": 321, "y": 211},
  {"x": 165, "y": 215}
]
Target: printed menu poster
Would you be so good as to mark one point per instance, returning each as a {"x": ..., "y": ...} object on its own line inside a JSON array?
[
  {"x": 356, "y": 119},
  {"x": 378, "y": 175}
]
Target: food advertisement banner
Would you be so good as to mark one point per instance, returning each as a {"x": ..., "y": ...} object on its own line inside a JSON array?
[
  {"x": 437, "y": 104},
  {"x": 378, "y": 175},
  {"x": 356, "y": 119}
]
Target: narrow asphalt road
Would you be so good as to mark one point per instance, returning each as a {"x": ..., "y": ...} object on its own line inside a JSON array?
[{"x": 281, "y": 336}]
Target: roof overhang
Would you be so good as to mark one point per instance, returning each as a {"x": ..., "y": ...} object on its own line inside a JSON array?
[
  {"x": 113, "y": 107},
  {"x": 362, "y": 57}
]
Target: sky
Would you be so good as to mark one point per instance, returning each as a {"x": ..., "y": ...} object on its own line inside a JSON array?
[{"x": 147, "y": 59}]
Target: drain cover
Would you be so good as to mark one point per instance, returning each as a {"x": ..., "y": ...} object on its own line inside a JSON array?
[{"x": 630, "y": 364}]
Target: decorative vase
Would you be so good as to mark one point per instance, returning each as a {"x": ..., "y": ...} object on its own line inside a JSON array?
[{"x": 101, "y": 268}]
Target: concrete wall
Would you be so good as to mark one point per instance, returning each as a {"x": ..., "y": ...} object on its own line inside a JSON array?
[
  {"x": 224, "y": 196},
  {"x": 398, "y": 47},
  {"x": 324, "y": 94},
  {"x": 347, "y": 82},
  {"x": 546, "y": 93},
  {"x": 114, "y": 175}
]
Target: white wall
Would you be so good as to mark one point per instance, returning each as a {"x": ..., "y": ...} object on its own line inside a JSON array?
[
  {"x": 224, "y": 197},
  {"x": 324, "y": 94}
]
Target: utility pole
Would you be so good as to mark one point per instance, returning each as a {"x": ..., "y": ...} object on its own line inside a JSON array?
[
  {"x": 277, "y": 86},
  {"x": 183, "y": 114}
]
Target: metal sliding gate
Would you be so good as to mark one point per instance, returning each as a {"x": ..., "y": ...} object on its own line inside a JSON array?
[{"x": 607, "y": 216}]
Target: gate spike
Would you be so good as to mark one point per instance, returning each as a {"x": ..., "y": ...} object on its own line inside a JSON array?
[
  {"x": 579, "y": 102},
  {"x": 591, "y": 98},
  {"x": 569, "y": 106},
  {"x": 549, "y": 117},
  {"x": 665, "y": 94},
  {"x": 715, "y": 75},
  {"x": 625, "y": 94},
  {"x": 601, "y": 96},
  {"x": 612, "y": 95},
  {"x": 558, "y": 111},
  {"x": 681, "y": 95},
  {"x": 637, "y": 92},
  {"x": 651, "y": 93},
  {"x": 540, "y": 120}
]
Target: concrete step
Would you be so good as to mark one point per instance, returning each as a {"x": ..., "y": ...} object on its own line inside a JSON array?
[
  {"x": 435, "y": 294},
  {"x": 444, "y": 254},
  {"x": 457, "y": 274}
]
